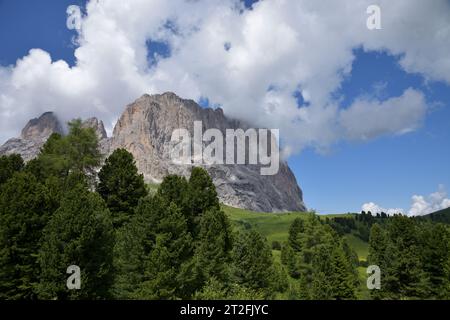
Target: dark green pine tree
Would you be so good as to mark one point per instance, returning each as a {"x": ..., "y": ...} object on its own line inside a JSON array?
[
  {"x": 120, "y": 185},
  {"x": 303, "y": 291},
  {"x": 290, "y": 259},
  {"x": 153, "y": 254},
  {"x": 213, "y": 252},
  {"x": 380, "y": 254},
  {"x": 134, "y": 242},
  {"x": 435, "y": 254},
  {"x": 253, "y": 263},
  {"x": 446, "y": 284},
  {"x": 342, "y": 278},
  {"x": 407, "y": 267},
  {"x": 201, "y": 196},
  {"x": 81, "y": 147},
  {"x": 167, "y": 267},
  {"x": 295, "y": 232},
  {"x": 80, "y": 233},
  {"x": 25, "y": 207},
  {"x": 320, "y": 288},
  {"x": 353, "y": 261},
  {"x": 10, "y": 165},
  {"x": 377, "y": 245},
  {"x": 174, "y": 188}
]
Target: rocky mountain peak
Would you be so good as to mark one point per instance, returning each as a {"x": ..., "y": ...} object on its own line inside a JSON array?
[
  {"x": 97, "y": 125},
  {"x": 42, "y": 127},
  {"x": 145, "y": 129}
]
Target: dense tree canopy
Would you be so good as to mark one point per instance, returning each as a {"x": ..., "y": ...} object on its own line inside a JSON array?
[
  {"x": 10, "y": 165},
  {"x": 25, "y": 208},
  {"x": 79, "y": 233}
]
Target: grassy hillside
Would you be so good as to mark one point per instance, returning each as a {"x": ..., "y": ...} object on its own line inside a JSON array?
[
  {"x": 361, "y": 247},
  {"x": 442, "y": 216},
  {"x": 275, "y": 226}
]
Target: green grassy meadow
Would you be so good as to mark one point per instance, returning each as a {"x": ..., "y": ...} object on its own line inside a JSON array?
[{"x": 275, "y": 227}]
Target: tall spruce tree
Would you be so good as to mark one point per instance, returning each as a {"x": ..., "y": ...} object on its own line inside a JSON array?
[
  {"x": 25, "y": 207},
  {"x": 153, "y": 253},
  {"x": 81, "y": 147},
  {"x": 295, "y": 232},
  {"x": 120, "y": 185},
  {"x": 134, "y": 242},
  {"x": 213, "y": 253},
  {"x": 320, "y": 288},
  {"x": 342, "y": 278},
  {"x": 253, "y": 262},
  {"x": 174, "y": 188},
  {"x": 169, "y": 261},
  {"x": 202, "y": 196},
  {"x": 79, "y": 233},
  {"x": 446, "y": 285},
  {"x": 381, "y": 254},
  {"x": 407, "y": 265},
  {"x": 290, "y": 259},
  {"x": 435, "y": 254},
  {"x": 321, "y": 260}
]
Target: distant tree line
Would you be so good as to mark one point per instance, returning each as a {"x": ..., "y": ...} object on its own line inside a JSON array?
[{"x": 356, "y": 224}]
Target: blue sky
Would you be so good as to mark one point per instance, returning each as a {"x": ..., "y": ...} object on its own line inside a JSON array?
[
  {"x": 387, "y": 170},
  {"x": 35, "y": 24}
]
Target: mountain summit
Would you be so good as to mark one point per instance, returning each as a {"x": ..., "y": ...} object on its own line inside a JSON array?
[
  {"x": 33, "y": 136},
  {"x": 145, "y": 129}
]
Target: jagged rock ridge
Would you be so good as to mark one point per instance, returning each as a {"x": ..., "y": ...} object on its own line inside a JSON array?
[
  {"x": 33, "y": 136},
  {"x": 145, "y": 129}
]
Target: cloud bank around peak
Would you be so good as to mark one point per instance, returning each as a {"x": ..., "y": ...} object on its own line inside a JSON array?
[{"x": 251, "y": 62}]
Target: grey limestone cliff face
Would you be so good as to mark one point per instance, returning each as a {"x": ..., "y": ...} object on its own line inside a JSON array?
[
  {"x": 97, "y": 125},
  {"x": 145, "y": 129}
]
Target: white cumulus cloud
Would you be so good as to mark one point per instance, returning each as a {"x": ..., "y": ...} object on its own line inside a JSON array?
[
  {"x": 374, "y": 209},
  {"x": 420, "y": 205},
  {"x": 424, "y": 205},
  {"x": 251, "y": 62}
]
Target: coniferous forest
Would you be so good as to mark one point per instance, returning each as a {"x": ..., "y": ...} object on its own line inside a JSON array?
[{"x": 132, "y": 241}]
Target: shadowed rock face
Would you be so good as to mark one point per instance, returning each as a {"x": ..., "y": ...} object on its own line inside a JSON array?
[
  {"x": 42, "y": 127},
  {"x": 145, "y": 129}
]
